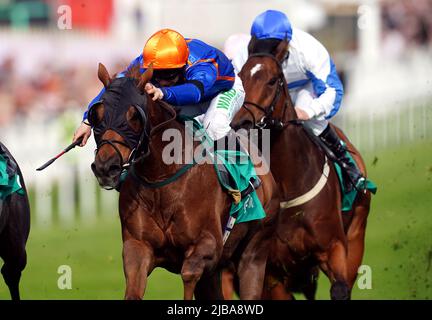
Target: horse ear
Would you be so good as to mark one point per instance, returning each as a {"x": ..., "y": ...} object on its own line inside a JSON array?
[
  {"x": 251, "y": 45},
  {"x": 103, "y": 75},
  {"x": 281, "y": 50},
  {"x": 145, "y": 77}
]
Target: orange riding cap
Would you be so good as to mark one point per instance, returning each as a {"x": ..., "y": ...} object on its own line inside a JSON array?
[{"x": 167, "y": 49}]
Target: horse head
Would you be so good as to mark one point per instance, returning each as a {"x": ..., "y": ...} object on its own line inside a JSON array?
[
  {"x": 267, "y": 100},
  {"x": 120, "y": 124}
]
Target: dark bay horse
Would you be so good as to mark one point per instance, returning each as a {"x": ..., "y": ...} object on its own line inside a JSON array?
[
  {"x": 176, "y": 225},
  {"x": 311, "y": 230},
  {"x": 14, "y": 231}
]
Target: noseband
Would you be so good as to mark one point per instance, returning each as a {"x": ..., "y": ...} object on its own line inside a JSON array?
[
  {"x": 267, "y": 121},
  {"x": 136, "y": 153}
]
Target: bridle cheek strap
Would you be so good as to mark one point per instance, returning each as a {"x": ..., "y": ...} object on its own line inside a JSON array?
[
  {"x": 267, "y": 119},
  {"x": 113, "y": 143}
]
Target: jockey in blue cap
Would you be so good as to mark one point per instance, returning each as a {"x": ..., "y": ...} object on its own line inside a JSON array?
[{"x": 313, "y": 83}]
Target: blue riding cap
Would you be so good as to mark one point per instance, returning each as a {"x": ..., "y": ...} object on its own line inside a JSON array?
[{"x": 272, "y": 24}]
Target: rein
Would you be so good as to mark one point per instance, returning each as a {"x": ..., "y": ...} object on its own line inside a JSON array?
[
  {"x": 156, "y": 184},
  {"x": 167, "y": 181},
  {"x": 180, "y": 172}
]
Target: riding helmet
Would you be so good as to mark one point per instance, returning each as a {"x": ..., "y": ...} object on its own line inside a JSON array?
[
  {"x": 166, "y": 49},
  {"x": 272, "y": 24}
]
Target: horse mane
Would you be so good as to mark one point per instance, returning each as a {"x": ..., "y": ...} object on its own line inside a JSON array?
[{"x": 268, "y": 46}]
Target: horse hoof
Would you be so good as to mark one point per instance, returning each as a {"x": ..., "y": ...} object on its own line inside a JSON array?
[{"x": 340, "y": 291}]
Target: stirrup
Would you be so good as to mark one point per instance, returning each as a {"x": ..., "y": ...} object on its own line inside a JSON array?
[{"x": 361, "y": 184}]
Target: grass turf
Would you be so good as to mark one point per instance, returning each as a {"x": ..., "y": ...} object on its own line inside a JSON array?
[{"x": 398, "y": 245}]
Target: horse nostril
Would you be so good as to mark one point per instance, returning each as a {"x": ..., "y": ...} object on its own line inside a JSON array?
[
  {"x": 245, "y": 124},
  {"x": 235, "y": 126}
]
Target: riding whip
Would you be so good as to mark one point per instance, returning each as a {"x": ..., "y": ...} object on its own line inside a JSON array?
[{"x": 68, "y": 148}]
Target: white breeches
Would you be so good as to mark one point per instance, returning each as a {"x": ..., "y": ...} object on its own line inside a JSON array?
[
  {"x": 225, "y": 105},
  {"x": 222, "y": 110}
]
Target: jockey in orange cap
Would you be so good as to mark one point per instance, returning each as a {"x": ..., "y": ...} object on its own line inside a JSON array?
[{"x": 187, "y": 72}]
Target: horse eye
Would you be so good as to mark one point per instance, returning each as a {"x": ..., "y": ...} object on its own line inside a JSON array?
[
  {"x": 272, "y": 82},
  {"x": 134, "y": 116}
]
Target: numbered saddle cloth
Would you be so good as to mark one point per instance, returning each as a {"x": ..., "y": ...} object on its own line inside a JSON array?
[
  {"x": 243, "y": 178},
  {"x": 348, "y": 197}
]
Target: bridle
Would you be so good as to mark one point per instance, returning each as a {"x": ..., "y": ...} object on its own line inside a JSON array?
[
  {"x": 141, "y": 151},
  {"x": 267, "y": 120}
]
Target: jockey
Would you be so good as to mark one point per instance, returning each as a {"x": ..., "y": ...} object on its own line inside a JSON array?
[
  {"x": 186, "y": 72},
  {"x": 313, "y": 83}
]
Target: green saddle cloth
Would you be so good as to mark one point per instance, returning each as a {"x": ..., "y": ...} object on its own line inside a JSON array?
[
  {"x": 241, "y": 169},
  {"x": 9, "y": 184},
  {"x": 348, "y": 197}
]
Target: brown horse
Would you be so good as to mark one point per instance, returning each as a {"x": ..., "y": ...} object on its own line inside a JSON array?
[
  {"x": 14, "y": 231},
  {"x": 311, "y": 230},
  {"x": 176, "y": 225}
]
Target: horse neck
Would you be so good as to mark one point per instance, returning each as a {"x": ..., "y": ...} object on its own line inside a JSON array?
[
  {"x": 295, "y": 159},
  {"x": 153, "y": 167}
]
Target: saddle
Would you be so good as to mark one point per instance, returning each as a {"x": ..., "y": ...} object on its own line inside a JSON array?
[
  {"x": 11, "y": 165},
  {"x": 192, "y": 110},
  {"x": 188, "y": 112},
  {"x": 9, "y": 174}
]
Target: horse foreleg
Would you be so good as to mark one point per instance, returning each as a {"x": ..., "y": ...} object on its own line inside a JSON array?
[
  {"x": 209, "y": 287},
  {"x": 275, "y": 289},
  {"x": 228, "y": 284},
  {"x": 137, "y": 263},
  {"x": 197, "y": 258},
  {"x": 12, "y": 275},
  {"x": 14, "y": 255},
  {"x": 251, "y": 268},
  {"x": 334, "y": 265},
  {"x": 310, "y": 289}
]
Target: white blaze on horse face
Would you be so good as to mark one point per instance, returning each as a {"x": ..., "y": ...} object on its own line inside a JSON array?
[{"x": 255, "y": 69}]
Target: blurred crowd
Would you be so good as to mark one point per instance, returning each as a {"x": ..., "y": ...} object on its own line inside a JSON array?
[
  {"x": 50, "y": 87},
  {"x": 406, "y": 24},
  {"x": 46, "y": 91}
]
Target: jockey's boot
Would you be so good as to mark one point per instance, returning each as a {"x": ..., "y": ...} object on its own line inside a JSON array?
[
  {"x": 232, "y": 142},
  {"x": 335, "y": 144},
  {"x": 228, "y": 142}
]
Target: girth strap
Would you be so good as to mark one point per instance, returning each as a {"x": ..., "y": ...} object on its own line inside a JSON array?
[{"x": 312, "y": 193}]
